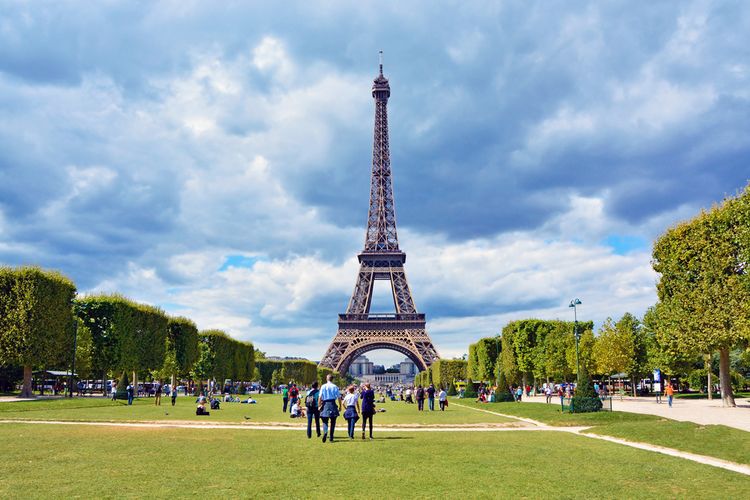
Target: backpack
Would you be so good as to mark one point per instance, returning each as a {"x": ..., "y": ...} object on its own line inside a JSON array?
[{"x": 310, "y": 399}]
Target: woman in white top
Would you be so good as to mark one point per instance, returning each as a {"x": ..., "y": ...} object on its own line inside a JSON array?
[{"x": 351, "y": 402}]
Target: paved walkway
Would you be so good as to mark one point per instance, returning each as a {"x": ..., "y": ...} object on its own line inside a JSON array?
[{"x": 699, "y": 411}]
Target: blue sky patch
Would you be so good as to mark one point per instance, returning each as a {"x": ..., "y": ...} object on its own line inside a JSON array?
[
  {"x": 246, "y": 261},
  {"x": 623, "y": 244}
]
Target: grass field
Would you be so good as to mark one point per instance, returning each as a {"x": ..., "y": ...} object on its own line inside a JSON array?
[
  {"x": 712, "y": 440},
  {"x": 42, "y": 461},
  {"x": 268, "y": 409}
]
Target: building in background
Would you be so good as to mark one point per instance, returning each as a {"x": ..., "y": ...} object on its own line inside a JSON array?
[{"x": 399, "y": 374}]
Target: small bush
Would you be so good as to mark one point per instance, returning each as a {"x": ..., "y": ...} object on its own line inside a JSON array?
[
  {"x": 585, "y": 404},
  {"x": 470, "y": 391},
  {"x": 122, "y": 386},
  {"x": 452, "y": 388}
]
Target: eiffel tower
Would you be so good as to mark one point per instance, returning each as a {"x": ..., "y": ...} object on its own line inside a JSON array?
[{"x": 359, "y": 330}]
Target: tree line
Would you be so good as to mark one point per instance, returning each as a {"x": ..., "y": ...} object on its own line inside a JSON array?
[
  {"x": 41, "y": 319},
  {"x": 699, "y": 326}
]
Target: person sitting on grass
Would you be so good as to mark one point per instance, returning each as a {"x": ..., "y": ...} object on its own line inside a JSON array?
[
  {"x": 201, "y": 409},
  {"x": 297, "y": 411}
]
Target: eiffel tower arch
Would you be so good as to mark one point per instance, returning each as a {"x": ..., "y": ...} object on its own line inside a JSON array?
[{"x": 359, "y": 330}]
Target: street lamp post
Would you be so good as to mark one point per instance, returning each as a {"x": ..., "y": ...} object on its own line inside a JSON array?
[{"x": 577, "y": 335}]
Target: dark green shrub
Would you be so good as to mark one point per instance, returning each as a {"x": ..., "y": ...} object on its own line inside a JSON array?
[
  {"x": 585, "y": 404},
  {"x": 452, "y": 388},
  {"x": 471, "y": 390},
  {"x": 122, "y": 385},
  {"x": 585, "y": 387}
]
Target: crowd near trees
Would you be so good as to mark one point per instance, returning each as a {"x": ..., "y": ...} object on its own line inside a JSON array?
[
  {"x": 699, "y": 326},
  {"x": 41, "y": 320}
]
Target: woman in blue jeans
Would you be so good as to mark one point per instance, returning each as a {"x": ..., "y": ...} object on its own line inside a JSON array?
[
  {"x": 351, "y": 414},
  {"x": 313, "y": 412},
  {"x": 368, "y": 408}
]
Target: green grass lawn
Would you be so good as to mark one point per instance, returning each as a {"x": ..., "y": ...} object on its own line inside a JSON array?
[
  {"x": 44, "y": 461},
  {"x": 268, "y": 409},
  {"x": 550, "y": 414},
  {"x": 712, "y": 440}
]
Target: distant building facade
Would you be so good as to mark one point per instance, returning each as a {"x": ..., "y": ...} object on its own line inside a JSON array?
[{"x": 399, "y": 374}]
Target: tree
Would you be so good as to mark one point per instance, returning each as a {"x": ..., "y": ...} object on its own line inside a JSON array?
[
  {"x": 482, "y": 358},
  {"x": 125, "y": 335},
  {"x": 36, "y": 320},
  {"x": 182, "y": 346},
  {"x": 704, "y": 287}
]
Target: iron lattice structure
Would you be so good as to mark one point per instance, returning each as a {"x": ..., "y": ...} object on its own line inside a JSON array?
[{"x": 359, "y": 330}]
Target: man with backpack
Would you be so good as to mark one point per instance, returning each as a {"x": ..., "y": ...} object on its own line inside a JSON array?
[
  {"x": 311, "y": 403},
  {"x": 420, "y": 398}
]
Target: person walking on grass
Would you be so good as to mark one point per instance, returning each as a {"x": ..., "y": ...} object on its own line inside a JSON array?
[
  {"x": 313, "y": 412},
  {"x": 351, "y": 414},
  {"x": 669, "y": 392},
  {"x": 443, "y": 399},
  {"x": 285, "y": 396},
  {"x": 431, "y": 397},
  {"x": 114, "y": 390},
  {"x": 368, "y": 408},
  {"x": 330, "y": 405},
  {"x": 174, "y": 395},
  {"x": 129, "y": 392},
  {"x": 420, "y": 398},
  {"x": 157, "y": 394}
]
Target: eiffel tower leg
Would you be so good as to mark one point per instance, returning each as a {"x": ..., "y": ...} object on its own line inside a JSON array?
[
  {"x": 401, "y": 293},
  {"x": 362, "y": 295}
]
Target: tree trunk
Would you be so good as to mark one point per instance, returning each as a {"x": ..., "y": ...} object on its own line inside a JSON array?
[
  {"x": 173, "y": 382},
  {"x": 26, "y": 387},
  {"x": 524, "y": 380},
  {"x": 135, "y": 383},
  {"x": 725, "y": 381},
  {"x": 707, "y": 365},
  {"x": 634, "y": 384}
]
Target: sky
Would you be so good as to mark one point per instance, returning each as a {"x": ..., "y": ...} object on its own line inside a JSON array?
[{"x": 214, "y": 159}]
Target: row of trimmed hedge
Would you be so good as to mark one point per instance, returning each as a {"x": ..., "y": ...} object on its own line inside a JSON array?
[{"x": 39, "y": 315}]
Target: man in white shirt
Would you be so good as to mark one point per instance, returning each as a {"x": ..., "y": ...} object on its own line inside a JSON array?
[{"x": 330, "y": 405}]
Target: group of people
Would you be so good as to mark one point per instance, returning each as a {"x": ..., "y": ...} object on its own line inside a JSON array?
[{"x": 326, "y": 403}]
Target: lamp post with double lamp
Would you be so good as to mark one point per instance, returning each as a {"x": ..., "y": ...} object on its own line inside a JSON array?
[{"x": 574, "y": 303}]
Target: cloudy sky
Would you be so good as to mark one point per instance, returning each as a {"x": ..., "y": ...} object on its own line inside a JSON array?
[{"x": 214, "y": 159}]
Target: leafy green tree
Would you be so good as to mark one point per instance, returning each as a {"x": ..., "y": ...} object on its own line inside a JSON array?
[
  {"x": 446, "y": 371},
  {"x": 482, "y": 358},
  {"x": 36, "y": 320},
  {"x": 704, "y": 287},
  {"x": 181, "y": 348},
  {"x": 585, "y": 351}
]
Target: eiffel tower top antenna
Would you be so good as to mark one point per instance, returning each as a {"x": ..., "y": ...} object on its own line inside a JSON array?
[{"x": 381, "y": 63}]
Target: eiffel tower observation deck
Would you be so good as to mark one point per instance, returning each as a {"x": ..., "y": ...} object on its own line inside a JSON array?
[{"x": 360, "y": 331}]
